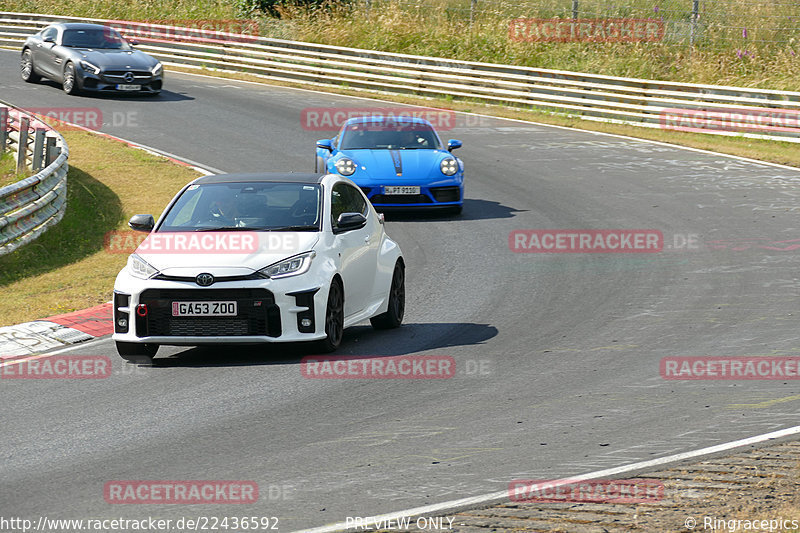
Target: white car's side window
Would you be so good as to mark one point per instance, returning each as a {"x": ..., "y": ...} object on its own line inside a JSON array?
[
  {"x": 337, "y": 203},
  {"x": 357, "y": 202},
  {"x": 346, "y": 199}
]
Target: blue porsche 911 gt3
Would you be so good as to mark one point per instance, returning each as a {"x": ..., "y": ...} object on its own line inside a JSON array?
[{"x": 399, "y": 162}]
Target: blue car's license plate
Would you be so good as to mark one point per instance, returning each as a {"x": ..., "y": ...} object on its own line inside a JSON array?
[{"x": 401, "y": 189}]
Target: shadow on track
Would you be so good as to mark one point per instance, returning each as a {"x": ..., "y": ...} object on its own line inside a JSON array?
[
  {"x": 164, "y": 96},
  {"x": 361, "y": 341},
  {"x": 473, "y": 210}
]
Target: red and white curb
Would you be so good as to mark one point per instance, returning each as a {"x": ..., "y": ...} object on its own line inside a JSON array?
[{"x": 56, "y": 331}]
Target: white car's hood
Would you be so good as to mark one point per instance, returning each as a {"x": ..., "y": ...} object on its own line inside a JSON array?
[{"x": 219, "y": 259}]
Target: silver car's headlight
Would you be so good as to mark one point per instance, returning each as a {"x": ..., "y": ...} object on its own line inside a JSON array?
[
  {"x": 158, "y": 69},
  {"x": 139, "y": 268},
  {"x": 293, "y": 266},
  {"x": 94, "y": 69},
  {"x": 449, "y": 166},
  {"x": 346, "y": 166}
]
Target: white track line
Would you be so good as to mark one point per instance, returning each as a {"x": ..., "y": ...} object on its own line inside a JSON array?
[
  {"x": 14, "y": 359},
  {"x": 497, "y": 497}
]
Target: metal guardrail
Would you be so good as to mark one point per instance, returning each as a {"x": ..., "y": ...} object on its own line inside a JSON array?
[
  {"x": 30, "y": 206},
  {"x": 721, "y": 110}
]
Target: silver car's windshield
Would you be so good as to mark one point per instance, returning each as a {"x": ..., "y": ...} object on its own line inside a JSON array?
[
  {"x": 388, "y": 136},
  {"x": 246, "y": 206},
  {"x": 101, "y": 38}
]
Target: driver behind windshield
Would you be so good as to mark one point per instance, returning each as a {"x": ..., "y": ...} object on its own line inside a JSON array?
[{"x": 106, "y": 38}]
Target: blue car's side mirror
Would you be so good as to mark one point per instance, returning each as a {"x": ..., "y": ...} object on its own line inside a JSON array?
[
  {"x": 325, "y": 144},
  {"x": 452, "y": 144}
]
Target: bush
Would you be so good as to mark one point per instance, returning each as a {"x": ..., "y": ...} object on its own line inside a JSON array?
[{"x": 276, "y": 8}]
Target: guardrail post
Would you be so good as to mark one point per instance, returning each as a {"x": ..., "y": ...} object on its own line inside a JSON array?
[
  {"x": 3, "y": 129},
  {"x": 22, "y": 145},
  {"x": 50, "y": 151},
  {"x": 38, "y": 150},
  {"x": 472, "y": 11},
  {"x": 575, "y": 9},
  {"x": 695, "y": 16}
]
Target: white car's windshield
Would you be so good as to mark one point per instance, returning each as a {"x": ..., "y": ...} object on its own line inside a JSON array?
[
  {"x": 105, "y": 38},
  {"x": 246, "y": 206},
  {"x": 388, "y": 136}
]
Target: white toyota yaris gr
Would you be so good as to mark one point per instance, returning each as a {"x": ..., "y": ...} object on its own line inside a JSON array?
[{"x": 254, "y": 258}]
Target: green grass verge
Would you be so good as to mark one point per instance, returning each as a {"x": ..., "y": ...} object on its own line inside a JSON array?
[
  {"x": 8, "y": 170},
  {"x": 67, "y": 268}
]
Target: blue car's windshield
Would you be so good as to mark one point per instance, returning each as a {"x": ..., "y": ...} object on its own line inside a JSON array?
[
  {"x": 105, "y": 38},
  {"x": 246, "y": 206},
  {"x": 388, "y": 136}
]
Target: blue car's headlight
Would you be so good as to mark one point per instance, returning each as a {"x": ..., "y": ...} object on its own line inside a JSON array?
[
  {"x": 449, "y": 166},
  {"x": 94, "y": 69},
  {"x": 293, "y": 266},
  {"x": 158, "y": 69},
  {"x": 346, "y": 166}
]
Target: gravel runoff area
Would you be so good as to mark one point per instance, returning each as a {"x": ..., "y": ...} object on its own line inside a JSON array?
[{"x": 752, "y": 490}]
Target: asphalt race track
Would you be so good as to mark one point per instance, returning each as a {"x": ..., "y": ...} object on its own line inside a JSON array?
[{"x": 557, "y": 354}]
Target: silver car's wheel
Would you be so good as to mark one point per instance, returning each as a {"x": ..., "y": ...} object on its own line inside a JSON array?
[
  {"x": 69, "y": 84},
  {"x": 26, "y": 67}
]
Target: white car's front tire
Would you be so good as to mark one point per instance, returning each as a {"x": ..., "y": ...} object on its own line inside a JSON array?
[{"x": 334, "y": 317}]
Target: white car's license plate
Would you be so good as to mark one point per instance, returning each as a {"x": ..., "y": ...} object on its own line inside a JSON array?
[
  {"x": 401, "y": 189},
  {"x": 128, "y": 87},
  {"x": 204, "y": 309}
]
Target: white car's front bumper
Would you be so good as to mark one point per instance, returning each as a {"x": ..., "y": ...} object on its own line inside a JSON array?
[{"x": 269, "y": 310}]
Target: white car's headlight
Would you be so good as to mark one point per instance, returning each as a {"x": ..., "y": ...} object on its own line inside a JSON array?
[
  {"x": 139, "y": 268},
  {"x": 158, "y": 69},
  {"x": 293, "y": 266},
  {"x": 449, "y": 166},
  {"x": 346, "y": 166},
  {"x": 94, "y": 69}
]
